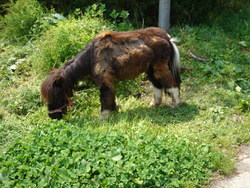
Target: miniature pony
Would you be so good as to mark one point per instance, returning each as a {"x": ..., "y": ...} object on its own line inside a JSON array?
[{"x": 112, "y": 56}]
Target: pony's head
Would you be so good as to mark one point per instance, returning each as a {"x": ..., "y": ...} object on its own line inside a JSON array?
[{"x": 54, "y": 93}]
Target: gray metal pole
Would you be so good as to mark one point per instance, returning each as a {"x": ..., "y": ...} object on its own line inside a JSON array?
[{"x": 164, "y": 14}]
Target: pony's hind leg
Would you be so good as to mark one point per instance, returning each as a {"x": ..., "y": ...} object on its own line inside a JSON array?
[
  {"x": 172, "y": 89},
  {"x": 175, "y": 94},
  {"x": 157, "y": 88},
  {"x": 162, "y": 78}
]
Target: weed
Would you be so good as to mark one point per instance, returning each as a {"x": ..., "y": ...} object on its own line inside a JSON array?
[{"x": 244, "y": 106}]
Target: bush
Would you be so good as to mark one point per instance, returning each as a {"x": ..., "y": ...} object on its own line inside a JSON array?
[
  {"x": 188, "y": 11},
  {"x": 237, "y": 25},
  {"x": 63, "y": 41},
  {"x": 44, "y": 23},
  {"x": 17, "y": 23}
]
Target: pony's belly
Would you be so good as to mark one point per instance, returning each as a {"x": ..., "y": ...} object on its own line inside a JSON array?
[{"x": 131, "y": 71}]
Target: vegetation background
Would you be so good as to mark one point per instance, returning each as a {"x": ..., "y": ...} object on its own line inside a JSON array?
[{"x": 139, "y": 146}]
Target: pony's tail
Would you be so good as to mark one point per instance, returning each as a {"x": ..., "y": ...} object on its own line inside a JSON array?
[{"x": 175, "y": 62}]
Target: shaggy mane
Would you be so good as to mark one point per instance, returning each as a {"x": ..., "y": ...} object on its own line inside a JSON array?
[{"x": 47, "y": 90}]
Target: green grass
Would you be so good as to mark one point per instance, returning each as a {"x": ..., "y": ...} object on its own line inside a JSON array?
[
  {"x": 137, "y": 146},
  {"x": 198, "y": 138}
]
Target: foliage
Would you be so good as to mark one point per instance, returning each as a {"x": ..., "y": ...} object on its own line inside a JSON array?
[
  {"x": 220, "y": 49},
  {"x": 119, "y": 19},
  {"x": 76, "y": 157},
  {"x": 21, "y": 16},
  {"x": 95, "y": 10},
  {"x": 63, "y": 41},
  {"x": 244, "y": 106},
  {"x": 43, "y": 23},
  {"x": 236, "y": 25},
  {"x": 146, "y": 12},
  {"x": 198, "y": 12}
]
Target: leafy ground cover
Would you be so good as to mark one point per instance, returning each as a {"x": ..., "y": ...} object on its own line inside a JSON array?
[{"x": 138, "y": 146}]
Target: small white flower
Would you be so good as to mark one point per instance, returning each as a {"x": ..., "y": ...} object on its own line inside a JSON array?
[
  {"x": 13, "y": 67},
  {"x": 238, "y": 88}
]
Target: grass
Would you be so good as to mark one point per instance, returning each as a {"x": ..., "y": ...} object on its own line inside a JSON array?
[
  {"x": 204, "y": 122},
  {"x": 137, "y": 146}
]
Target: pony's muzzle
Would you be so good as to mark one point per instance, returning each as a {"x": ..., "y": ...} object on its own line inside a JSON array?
[{"x": 56, "y": 115}]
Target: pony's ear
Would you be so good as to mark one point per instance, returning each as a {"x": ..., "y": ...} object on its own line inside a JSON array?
[
  {"x": 52, "y": 71},
  {"x": 58, "y": 81}
]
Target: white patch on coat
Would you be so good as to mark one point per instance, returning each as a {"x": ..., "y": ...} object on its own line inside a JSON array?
[
  {"x": 157, "y": 97},
  {"x": 175, "y": 94},
  {"x": 104, "y": 114}
]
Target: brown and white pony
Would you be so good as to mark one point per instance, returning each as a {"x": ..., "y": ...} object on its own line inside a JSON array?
[{"x": 117, "y": 56}]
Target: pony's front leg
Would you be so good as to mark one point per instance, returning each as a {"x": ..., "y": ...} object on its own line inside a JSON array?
[
  {"x": 107, "y": 98},
  {"x": 157, "y": 97}
]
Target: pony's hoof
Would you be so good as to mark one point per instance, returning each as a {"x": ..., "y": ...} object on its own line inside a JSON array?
[
  {"x": 174, "y": 105},
  {"x": 153, "y": 104},
  {"x": 104, "y": 115}
]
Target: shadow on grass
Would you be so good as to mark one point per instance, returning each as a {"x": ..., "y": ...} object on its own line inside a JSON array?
[{"x": 158, "y": 115}]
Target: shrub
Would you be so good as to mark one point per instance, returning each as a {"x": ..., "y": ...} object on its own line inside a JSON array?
[
  {"x": 44, "y": 23},
  {"x": 188, "y": 11},
  {"x": 236, "y": 26},
  {"x": 63, "y": 41},
  {"x": 21, "y": 15}
]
